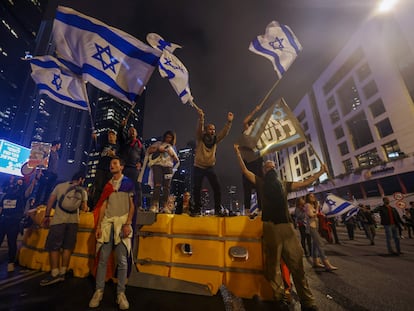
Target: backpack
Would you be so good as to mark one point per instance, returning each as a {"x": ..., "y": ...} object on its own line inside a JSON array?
[{"x": 71, "y": 201}]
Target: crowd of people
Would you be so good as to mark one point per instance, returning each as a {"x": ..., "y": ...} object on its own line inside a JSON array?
[{"x": 116, "y": 195}]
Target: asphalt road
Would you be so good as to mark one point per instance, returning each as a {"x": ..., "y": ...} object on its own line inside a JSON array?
[{"x": 367, "y": 279}]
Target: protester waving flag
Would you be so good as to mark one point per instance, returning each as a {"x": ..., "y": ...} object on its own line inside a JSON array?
[
  {"x": 279, "y": 44},
  {"x": 335, "y": 206},
  {"x": 109, "y": 58},
  {"x": 55, "y": 80},
  {"x": 171, "y": 67}
]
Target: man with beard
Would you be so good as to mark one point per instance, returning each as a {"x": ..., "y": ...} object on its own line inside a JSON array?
[
  {"x": 279, "y": 236},
  {"x": 205, "y": 160}
]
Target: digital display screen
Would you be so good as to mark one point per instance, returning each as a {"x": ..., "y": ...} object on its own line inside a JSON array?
[{"x": 12, "y": 157}]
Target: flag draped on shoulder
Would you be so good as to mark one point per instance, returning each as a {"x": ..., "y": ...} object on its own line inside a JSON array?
[
  {"x": 336, "y": 206},
  {"x": 55, "y": 80},
  {"x": 277, "y": 128},
  {"x": 279, "y": 44},
  {"x": 171, "y": 67},
  {"x": 110, "y": 59}
]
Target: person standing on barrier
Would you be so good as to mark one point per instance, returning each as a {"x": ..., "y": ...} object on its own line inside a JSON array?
[
  {"x": 114, "y": 229},
  {"x": 63, "y": 225},
  {"x": 162, "y": 155},
  {"x": 279, "y": 237},
  {"x": 132, "y": 152},
  {"x": 205, "y": 160}
]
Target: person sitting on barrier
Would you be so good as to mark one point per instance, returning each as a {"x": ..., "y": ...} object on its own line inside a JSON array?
[
  {"x": 69, "y": 198},
  {"x": 114, "y": 228},
  {"x": 184, "y": 204},
  {"x": 279, "y": 237}
]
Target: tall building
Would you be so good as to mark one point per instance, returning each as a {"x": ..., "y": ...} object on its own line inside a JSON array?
[
  {"x": 20, "y": 21},
  {"x": 359, "y": 113}
]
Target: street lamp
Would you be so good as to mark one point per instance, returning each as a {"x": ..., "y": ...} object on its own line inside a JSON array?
[{"x": 386, "y": 5}]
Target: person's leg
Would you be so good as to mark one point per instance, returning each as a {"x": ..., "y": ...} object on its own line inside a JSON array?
[
  {"x": 292, "y": 254},
  {"x": 215, "y": 185},
  {"x": 104, "y": 252},
  {"x": 166, "y": 185},
  {"x": 302, "y": 231},
  {"x": 387, "y": 229},
  {"x": 198, "y": 175},
  {"x": 247, "y": 193},
  {"x": 69, "y": 244},
  {"x": 12, "y": 229},
  {"x": 158, "y": 177},
  {"x": 396, "y": 237},
  {"x": 272, "y": 250},
  {"x": 122, "y": 266}
]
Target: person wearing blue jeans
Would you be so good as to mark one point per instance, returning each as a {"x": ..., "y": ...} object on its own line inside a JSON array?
[
  {"x": 114, "y": 229},
  {"x": 391, "y": 220}
]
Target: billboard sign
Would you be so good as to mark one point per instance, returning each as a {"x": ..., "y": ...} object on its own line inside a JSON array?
[{"x": 12, "y": 157}]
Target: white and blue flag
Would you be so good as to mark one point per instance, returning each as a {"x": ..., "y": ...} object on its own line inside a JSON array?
[
  {"x": 335, "y": 206},
  {"x": 55, "y": 80},
  {"x": 171, "y": 67},
  {"x": 279, "y": 44},
  {"x": 109, "y": 58}
]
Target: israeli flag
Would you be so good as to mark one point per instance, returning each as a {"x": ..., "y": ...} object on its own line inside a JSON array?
[
  {"x": 335, "y": 206},
  {"x": 55, "y": 80},
  {"x": 351, "y": 213},
  {"x": 279, "y": 44},
  {"x": 171, "y": 67},
  {"x": 109, "y": 58}
]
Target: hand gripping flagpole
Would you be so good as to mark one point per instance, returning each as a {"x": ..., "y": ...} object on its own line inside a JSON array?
[{"x": 320, "y": 161}]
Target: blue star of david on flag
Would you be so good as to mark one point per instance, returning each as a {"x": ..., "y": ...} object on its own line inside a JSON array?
[
  {"x": 335, "y": 206},
  {"x": 104, "y": 54},
  {"x": 277, "y": 44},
  {"x": 57, "y": 81},
  {"x": 169, "y": 62}
]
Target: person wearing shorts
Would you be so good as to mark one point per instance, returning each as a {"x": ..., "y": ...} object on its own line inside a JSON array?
[{"x": 63, "y": 227}]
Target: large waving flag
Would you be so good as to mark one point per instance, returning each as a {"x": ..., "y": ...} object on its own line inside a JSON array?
[
  {"x": 279, "y": 44},
  {"x": 55, "y": 80},
  {"x": 109, "y": 58},
  {"x": 336, "y": 206},
  {"x": 277, "y": 128},
  {"x": 171, "y": 67}
]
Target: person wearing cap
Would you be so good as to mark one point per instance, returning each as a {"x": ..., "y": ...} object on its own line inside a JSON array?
[
  {"x": 49, "y": 176},
  {"x": 107, "y": 151}
]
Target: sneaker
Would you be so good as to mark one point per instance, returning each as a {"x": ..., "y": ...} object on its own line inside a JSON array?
[
  {"x": 122, "y": 301},
  {"x": 49, "y": 280},
  {"x": 10, "y": 267},
  {"x": 96, "y": 298}
]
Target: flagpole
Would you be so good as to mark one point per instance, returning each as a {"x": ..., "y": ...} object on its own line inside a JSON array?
[
  {"x": 85, "y": 94},
  {"x": 320, "y": 161},
  {"x": 193, "y": 104},
  {"x": 130, "y": 110},
  {"x": 269, "y": 92}
]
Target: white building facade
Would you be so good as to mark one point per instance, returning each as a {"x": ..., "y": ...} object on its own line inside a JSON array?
[{"x": 359, "y": 115}]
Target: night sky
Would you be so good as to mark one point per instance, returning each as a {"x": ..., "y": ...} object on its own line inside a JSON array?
[{"x": 224, "y": 74}]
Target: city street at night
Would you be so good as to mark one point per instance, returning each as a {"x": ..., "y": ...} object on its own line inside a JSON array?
[{"x": 367, "y": 279}]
